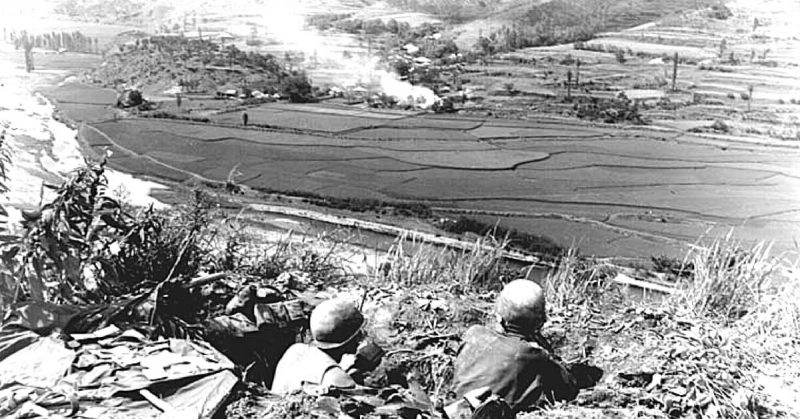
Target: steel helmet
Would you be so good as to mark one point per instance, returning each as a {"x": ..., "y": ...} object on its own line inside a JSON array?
[
  {"x": 521, "y": 305},
  {"x": 334, "y": 323}
]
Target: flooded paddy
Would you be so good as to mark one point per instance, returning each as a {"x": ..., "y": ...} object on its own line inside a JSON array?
[{"x": 610, "y": 191}]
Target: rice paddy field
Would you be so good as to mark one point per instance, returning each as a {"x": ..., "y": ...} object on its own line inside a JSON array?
[
  {"x": 611, "y": 190},
  {"x": 741, "y": 70},
  {"x": 626, "y": 192}
]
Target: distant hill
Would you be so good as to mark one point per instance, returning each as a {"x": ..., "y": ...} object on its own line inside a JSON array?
[{"x": 549, "y": 22}]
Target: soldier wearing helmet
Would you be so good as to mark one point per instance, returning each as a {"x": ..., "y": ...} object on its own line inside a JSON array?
[
  {"x": 334, "y": 359},
  {"x": 512, "y": 358}
]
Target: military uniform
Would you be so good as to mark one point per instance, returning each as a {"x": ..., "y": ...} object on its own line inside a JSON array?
[
  {"x": 519, "y": 371},
  {"x": 303, "y": 364}
]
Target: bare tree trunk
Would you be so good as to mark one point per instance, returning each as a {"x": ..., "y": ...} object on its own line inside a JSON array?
[{"x": 569, "y": 85}]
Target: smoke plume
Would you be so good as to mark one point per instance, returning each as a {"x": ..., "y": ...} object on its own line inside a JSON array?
[{"x": 337, "y": 60}]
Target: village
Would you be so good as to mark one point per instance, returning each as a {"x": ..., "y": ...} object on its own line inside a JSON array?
[{"x": 345, "y": 208}]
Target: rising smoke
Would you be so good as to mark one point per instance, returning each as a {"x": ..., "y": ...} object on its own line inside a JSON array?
[{"x": 285, "y": 22}]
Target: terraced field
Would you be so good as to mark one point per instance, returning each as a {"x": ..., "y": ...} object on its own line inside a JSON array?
[
  {"x": 624, "y": 192},
  {"x": 721, "y": 62}
]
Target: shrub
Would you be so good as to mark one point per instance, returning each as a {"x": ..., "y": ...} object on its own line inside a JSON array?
[
  {"x": 525, "y": 242},
  {"x": 721, "y": 126},
  {"x": 410, "y": 209},
  {"x": 731, "y": 96},
  {"x": 611, "y": 111},
  {"x": 676, "y": 267},
  {"x": 297, "y": 88},
  {"x": 620, "y": 56},
  {"x": 169, "y": 115},
  {"x": 720, "y": 12},
  {"x": 85, "y": 247}
]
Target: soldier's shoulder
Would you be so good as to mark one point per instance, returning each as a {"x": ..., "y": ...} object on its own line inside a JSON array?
[
  {"x": 480, "y": 333},
  {"x": 478, "y": 329}
]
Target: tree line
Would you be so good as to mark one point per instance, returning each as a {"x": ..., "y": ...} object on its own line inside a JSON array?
[{"x": 56, "y": 41}]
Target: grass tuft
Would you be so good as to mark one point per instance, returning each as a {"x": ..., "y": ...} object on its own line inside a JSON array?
[
  {"x": 413, "y": 262},
  {"x": 576, "y": 280},
  {"x": 728, "y": 281}
]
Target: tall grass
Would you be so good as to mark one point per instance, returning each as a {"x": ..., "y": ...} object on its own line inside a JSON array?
[
  {"x": 575, "y": 280},
  {"x": 411, "y": 261},
  {"x": 321, "y": 258},
  {"x": 728, "y": 279},
  {"x": 746, "y": 303}
]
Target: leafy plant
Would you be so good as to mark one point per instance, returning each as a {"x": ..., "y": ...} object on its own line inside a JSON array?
[
  {"x": 5, "y": 159},
  {"x": 84, "y": 247}
]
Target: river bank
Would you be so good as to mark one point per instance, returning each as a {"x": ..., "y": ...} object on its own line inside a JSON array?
[{"x": 43, "y": 150}]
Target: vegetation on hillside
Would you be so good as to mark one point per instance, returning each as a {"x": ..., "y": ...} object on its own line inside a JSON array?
[
  {"x": 85, "y": 247},
  {"x": 4, "y": 161},
  {"x": 567, "y": 21},
  {"x": 106, "y": 10},
  {"x": 453, "y": 11},
  {"x": 199, "y": 65}
]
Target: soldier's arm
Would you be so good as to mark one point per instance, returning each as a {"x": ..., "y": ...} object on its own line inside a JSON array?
[
  {"x": 552, "y": 381},
  {"x": 559, "y": 382}
]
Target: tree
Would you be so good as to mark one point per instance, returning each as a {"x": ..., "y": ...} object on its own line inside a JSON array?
[
  {"x": 620, "y": 56},
  {"x": 28, "y": 46},
  {"x": 296, "y": 88},
  {"x": 749, "y": 96},
  {"x": 569, "y": 84},
  {"x": 287, "y": 56},
  {"x": 484, "y": 46},
  {"x": 392, "y": 26},
  {"x": 674, "y": 71},
  {"x": 402, "y": 67}
]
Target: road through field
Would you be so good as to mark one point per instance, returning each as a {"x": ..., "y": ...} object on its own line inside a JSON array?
[{"x": 613, "y": 191}]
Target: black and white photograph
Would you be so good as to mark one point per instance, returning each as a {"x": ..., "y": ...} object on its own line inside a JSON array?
[{"x": 400, "y": 209}]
